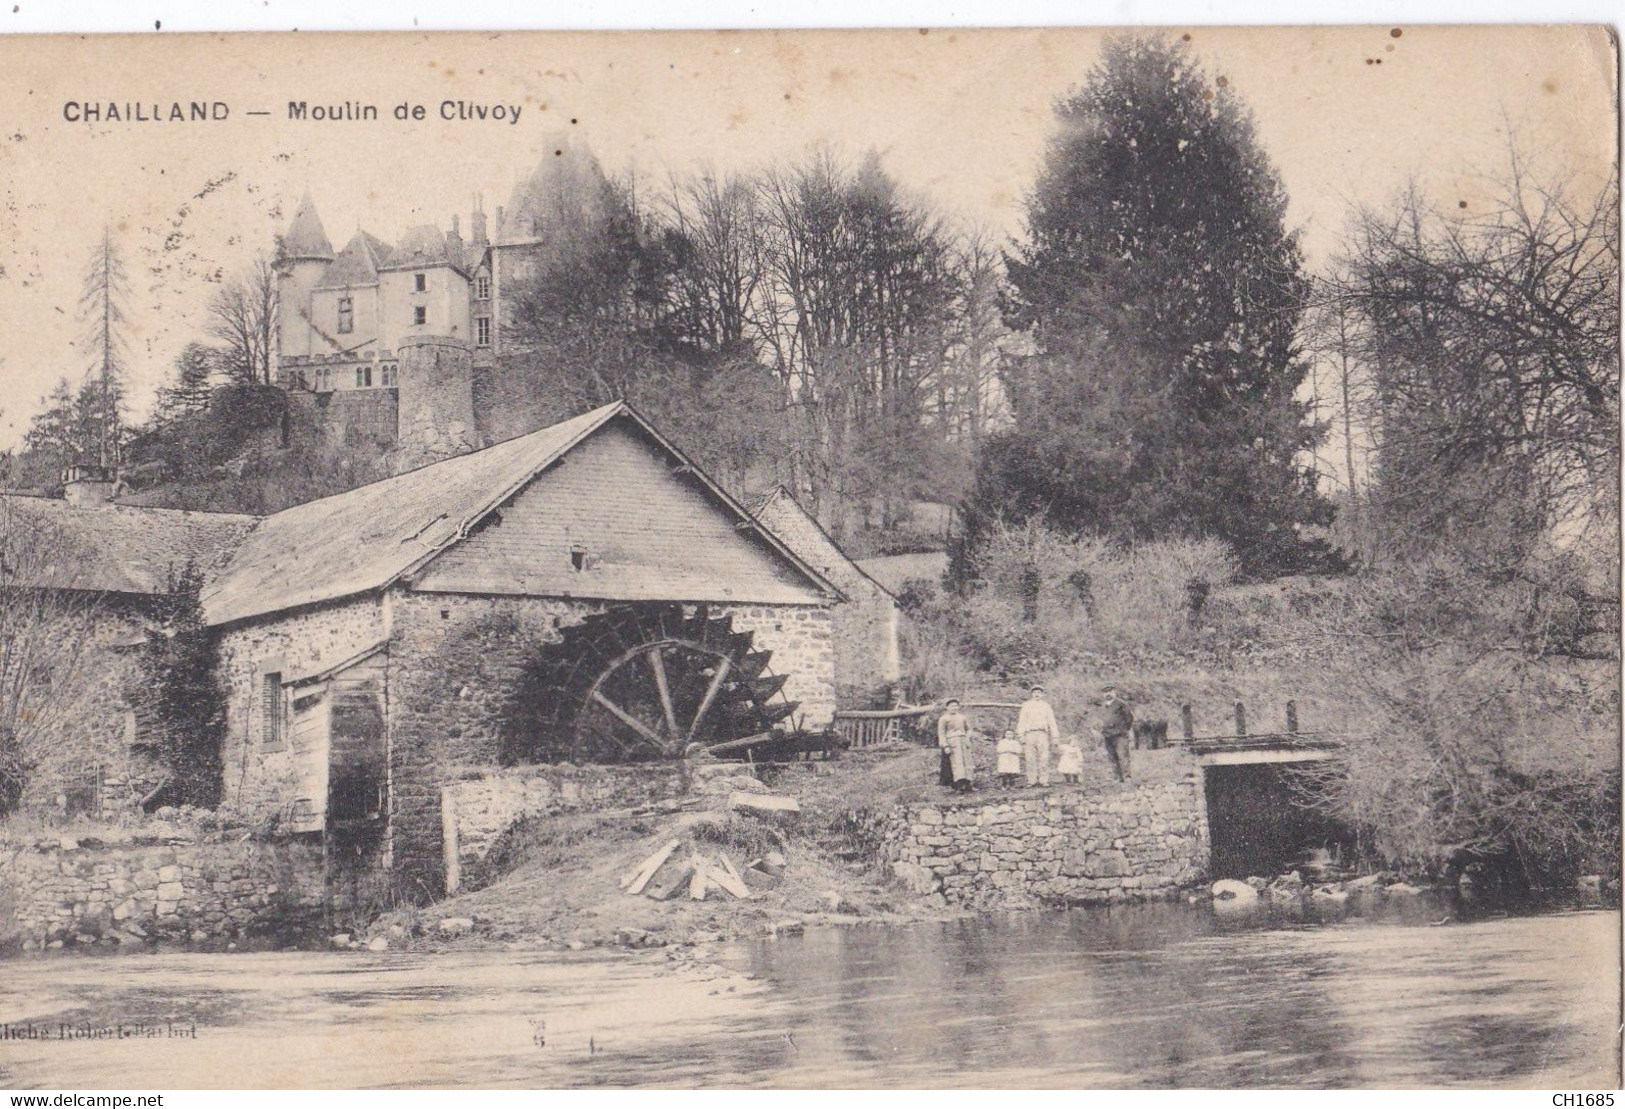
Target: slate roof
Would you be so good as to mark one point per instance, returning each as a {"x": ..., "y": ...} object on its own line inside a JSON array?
[
  {"x": 895, "y": 571},
  {"x": 770, "y": 505},
  {"x": 306, "y": 238},
  {"x": 423, "y": 245},
  {"x": 364, "y": 539},
  {"x": 119, "y": 548},
  {"x": 357, "y": 263}
]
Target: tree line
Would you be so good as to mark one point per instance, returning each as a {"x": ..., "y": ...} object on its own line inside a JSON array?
[{"x": 1148, "y": 358}]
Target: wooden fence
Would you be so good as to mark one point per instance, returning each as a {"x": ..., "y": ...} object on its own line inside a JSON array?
[{"x": 873, "y": 727}]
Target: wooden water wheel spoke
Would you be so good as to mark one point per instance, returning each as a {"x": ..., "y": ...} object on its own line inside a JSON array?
[
  {"x": 710, "y": 697},
  {"x": 645, "y": 681},
  {"x": 628, "y": 719},
  {"x": 657, "y": 664}
]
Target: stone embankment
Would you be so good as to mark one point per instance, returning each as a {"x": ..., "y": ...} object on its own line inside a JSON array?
[
  {"x": 1139, "y": 840},
  {"x": 68, "y": 893}
]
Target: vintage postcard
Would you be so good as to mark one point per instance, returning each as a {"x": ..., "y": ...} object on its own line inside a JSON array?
[{"x": 1037, "y": 559}]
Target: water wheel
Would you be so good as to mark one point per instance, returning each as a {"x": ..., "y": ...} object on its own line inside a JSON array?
[{"x": 646, "y": 682}]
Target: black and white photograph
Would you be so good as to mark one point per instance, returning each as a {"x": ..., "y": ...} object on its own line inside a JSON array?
[{"x": 1036, "y": 559}]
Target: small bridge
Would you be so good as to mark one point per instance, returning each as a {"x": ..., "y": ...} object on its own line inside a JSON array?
[{"x": 1244, "y": 748}]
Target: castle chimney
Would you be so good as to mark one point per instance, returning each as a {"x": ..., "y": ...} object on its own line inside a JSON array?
[
  {"x": 87, "y": 485},
  {"x": 434, "y": 387},
  {"x": 476, "y": 224},
  {"x": 454, "y": 243},
  {"x": 499, "y": 220}
]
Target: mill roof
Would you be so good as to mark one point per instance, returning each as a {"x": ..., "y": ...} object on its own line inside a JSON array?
[
  {"x": 367, "y": 538},
  {"x": 806, "y": 536},
  {"x": 117, "y": 548},
  {"x": 306, "y": 239}
]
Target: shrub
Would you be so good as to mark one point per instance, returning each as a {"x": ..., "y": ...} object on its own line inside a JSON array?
[
  {"x": 1045, "y": 598},
  {"x": 1476, "y": 742}
]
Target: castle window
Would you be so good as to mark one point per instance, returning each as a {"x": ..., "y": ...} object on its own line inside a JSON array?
[
  {"x": 420, "y": 314},
  {"x": 271, "y": 709},
  {"x": 346, "y": 315},
  {"x": 482, "y": 287},
  {"x": 482, "y": 331},
  {"x": 386, "y": 374},
  {"x": 420, "y": 282},
  {"x": 363, "y": 376}
]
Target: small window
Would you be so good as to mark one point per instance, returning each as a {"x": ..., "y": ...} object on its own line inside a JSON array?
[
  {"x": 386, "y": 374},
  {"x": 346, "y": 315},
  {"x": 482, "y": 331},
  {"x": 420, "y": 282},
  {"x": 271, "y": 709},
  {"x": 482, "y": 287},
  {"x": 420, "y": 314}
]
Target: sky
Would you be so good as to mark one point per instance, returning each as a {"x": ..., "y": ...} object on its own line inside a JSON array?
[{"x": 1348, "y": 115}]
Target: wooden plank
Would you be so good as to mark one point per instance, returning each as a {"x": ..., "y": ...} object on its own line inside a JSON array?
[
  {"x": 633, "y": 883},
  {"x": 676, "y": 881},
  {"x": 728, "y": 881},
  {"x": 762, "y": 802},
  {"x": 728, "y": 865},
  {"x": 698, "y": 884}
]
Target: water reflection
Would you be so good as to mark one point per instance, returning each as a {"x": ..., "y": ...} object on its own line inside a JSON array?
[{"x": 1160, "y": 995}]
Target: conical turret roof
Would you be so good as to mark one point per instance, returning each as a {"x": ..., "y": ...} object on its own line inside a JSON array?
[{"x": 306, "y": 239}]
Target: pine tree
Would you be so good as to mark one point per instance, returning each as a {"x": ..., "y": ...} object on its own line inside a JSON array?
[
  {"x": 1162, "y": 294},
  {"x": 101, "y": 311},
  {"x": 196, "y": 369}
]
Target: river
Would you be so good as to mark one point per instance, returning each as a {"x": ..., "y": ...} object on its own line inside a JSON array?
[{"x": 1134, "y": 996}]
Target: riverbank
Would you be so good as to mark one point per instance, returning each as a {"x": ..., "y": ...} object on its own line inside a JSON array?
[{"x": 1152, "y": 995}]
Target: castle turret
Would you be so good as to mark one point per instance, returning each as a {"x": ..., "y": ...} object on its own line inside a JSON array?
[
  {"x": 435, "y": 398},
  {"x": 304, "y": 257}
]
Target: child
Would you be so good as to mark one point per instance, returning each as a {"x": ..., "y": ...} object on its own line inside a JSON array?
[
  {"x": 1070, "y": 764},
  {"x": 1009, "y": 751}
]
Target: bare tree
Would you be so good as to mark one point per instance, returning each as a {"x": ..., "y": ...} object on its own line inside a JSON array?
[
  {"x": 242, "y": 316},
  {"x": 1491, "y": 338},
  {"x": 969, "y": 394},
  {"x": 47, "y": 632}
]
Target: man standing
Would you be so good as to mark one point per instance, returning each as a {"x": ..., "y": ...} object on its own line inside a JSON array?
[
  {"x": 1115, "y": 731},
  {"x": 1036, "y": 726},
  {"x": 953, "y": 737}
]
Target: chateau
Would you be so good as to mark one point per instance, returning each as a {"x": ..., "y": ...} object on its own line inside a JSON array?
[{"x": 402, "y": 339}]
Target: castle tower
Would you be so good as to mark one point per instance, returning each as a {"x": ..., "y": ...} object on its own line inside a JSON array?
[
  {"x": 304, "y": 257},
  {"x": 435, "y": 399}
]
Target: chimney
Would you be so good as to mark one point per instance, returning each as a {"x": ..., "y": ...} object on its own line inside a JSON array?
[
  {"x": 476, "y": 224},
  {"x": 499, "y": 220},
  {"x": 454, "y": 243},
  {"x": 87, "y": 485}
]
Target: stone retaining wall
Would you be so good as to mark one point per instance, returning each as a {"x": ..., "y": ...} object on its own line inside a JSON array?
[
  {"x": 59, "y": 895},
  {"x": 1111, "y": 842},
  {"x": 475, "y": 813}
]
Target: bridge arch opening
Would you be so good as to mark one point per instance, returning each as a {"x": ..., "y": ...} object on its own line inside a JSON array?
[{"x": 1258, "y": 826}]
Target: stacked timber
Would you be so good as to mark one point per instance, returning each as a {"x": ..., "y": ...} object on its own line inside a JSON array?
[{"x": 669, "y": 873}]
